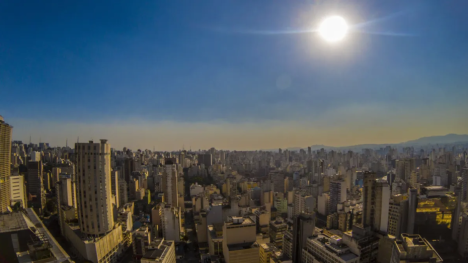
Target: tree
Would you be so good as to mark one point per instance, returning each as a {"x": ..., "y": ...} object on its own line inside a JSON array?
[
  {"x": 17, "y": 206},
  {"x": 51, "y": 206}
]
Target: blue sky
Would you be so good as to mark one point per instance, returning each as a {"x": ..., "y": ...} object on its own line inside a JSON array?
[{"x": 186, "y": 64}]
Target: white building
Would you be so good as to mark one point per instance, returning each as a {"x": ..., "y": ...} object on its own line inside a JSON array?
[
  {"x": 327, "y": 249},
  {"x": 17, "y": 192},
  {"x": 196, "y": 189},
  {"x": 160, "y": 251}
]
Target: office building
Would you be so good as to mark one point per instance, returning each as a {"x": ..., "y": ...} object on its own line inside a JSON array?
[
  {"x": 414, "y": 248},
  {"x": 35, "y": 184},
  {"x": 205, "y": 159},
  {"x": 96, "y": 237},
  {"x": 239, "y": 241},
  {"x": 303, "y": 228},
  {"x": 5, "y": 155},
  {"x": 338, "y": 194}
]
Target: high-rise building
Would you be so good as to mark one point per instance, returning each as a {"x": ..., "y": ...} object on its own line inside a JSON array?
[
  {"x": 414, "y": 248},
  {"x": 35, "y": 185},
  {"x": 205, "y": 159},
  {"x": 5, "y": 153},
  {"x": 412, "y": 206},
  {"x": 398, "y": 215},
  {"x": 94, "y": 187},
  {"x": 404, "y": 167},
  {"x": 376, "y": 200},
  {"x": 304, "y": 227},
  {"x": 170, "y": 184},
  {"x": 338, "y": 194}
]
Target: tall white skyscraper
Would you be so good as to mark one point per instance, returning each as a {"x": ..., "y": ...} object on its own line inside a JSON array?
[{"x": 94, "y": 193}]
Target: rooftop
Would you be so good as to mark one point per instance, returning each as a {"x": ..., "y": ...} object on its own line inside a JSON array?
[
  {"x": 241, "y": 246},
  {"x": 12, "y": 222}
]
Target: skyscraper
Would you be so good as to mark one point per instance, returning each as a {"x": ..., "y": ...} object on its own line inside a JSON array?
[
  {"x": 94, "y": 187},
  {"x": 5, "y": 152},
  {"x": 304, "y": 227},
  {"x": 35, "y": 183},
  {"x": 169, "y": 181},
  {"x": 376, "y": 202}
]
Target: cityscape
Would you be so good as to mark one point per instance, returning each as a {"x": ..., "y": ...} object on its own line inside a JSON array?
[{"x": 308, "y": 131}]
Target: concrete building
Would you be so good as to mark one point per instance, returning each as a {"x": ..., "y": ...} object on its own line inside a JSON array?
[
  {"x": 265, "y": 252},
  {"x": 141, "y": 240},
  {"x": 276, "y": 232},
  {"x": 17, "y": 191},
  {"x": 205, "y": 159},
  {"x": 5, "y": 155},
  {"x": 376, "y": 199},
  {"x": 160, "y": 251},
  {"x": 404, "y": 167},
  {"x": 171, "y": 222},
  {"x": 170, "y": 185},
  {"x": 303, "y": 203},
  {"x": 239, "y": 241},
  {"x": 398, "y": 215},
  {"x": 327, "y": 248},
  {"x": 123, "y": 198},
  {"x": 338, "y": 194},
  {"x": 94, "y": 191},
  {"x": 323, "y": 204},
  {"x": 196, "y": 189},
  {"x": 414, "y": 248},
  {"x": 362, "y": 242}
]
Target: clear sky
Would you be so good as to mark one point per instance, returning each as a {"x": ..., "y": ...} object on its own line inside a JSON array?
[{"x": 232, "y": 74}]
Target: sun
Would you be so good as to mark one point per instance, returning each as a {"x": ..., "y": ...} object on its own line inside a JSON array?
[{"x": 333, "y": 29}]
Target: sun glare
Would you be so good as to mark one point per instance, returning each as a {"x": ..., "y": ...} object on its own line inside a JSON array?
[{"x": 333, "y": 28}]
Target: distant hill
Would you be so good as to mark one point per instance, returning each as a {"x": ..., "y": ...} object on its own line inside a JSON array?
[
  {"x": 431, "y": 140},
  {"x": 444, "y": 139}
]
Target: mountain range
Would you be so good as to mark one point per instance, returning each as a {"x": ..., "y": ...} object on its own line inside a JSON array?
[{"x": 430, "y": 140}]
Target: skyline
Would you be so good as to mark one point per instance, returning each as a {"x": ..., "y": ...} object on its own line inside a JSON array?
[
  {"x": 228, "y": 75},
  {"x": 204, "y": 135}
]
